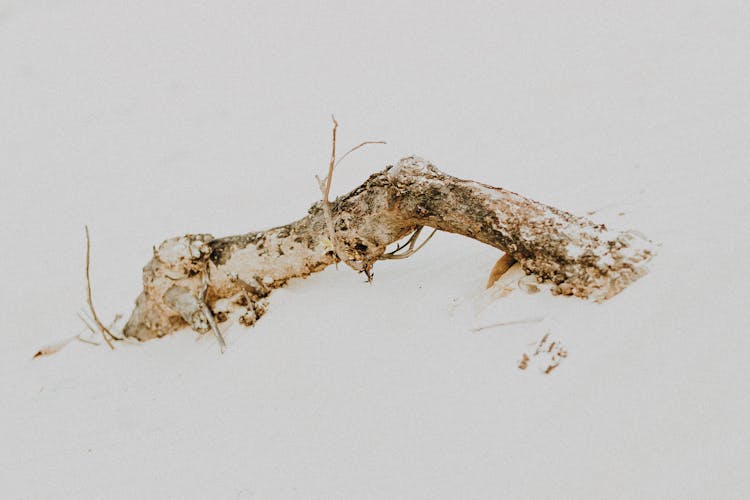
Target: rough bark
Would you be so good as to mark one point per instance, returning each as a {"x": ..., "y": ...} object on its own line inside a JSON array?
[{"x": 578, "y": 256}]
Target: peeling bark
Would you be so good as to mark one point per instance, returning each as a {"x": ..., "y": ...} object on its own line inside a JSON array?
[{"x": 580, "y": 257}]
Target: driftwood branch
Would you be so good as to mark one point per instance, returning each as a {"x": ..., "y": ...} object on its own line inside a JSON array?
[{"x": 578, "y": 256}]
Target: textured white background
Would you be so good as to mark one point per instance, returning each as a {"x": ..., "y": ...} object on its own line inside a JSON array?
[{"x": 151, "y": 119}]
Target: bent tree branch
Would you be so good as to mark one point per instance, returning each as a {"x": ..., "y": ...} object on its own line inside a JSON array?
[{"x": 196, "y": 280}]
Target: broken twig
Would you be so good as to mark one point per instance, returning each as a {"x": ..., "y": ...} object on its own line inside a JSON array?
[
  {"x": 210, "y": 316},
  {"x": 325, "y": 189},
  {"x": 106, "y": 334},
  {"x": 410, "y": 242},
  {"x": 507, "y": 323}
]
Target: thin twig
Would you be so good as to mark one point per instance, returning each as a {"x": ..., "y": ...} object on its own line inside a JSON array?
[
  {"x": 86, "y": 319},
  {"x": 86, "y": 341},
  {"x": 332, "y": 163},
  {"x": 102, "y": 329},
  {"x": 356, "y": 148},
  {"x": 86, "y": 322},
  {"x": 210, "y": 316},
  {"x": 408, "y": 242},
  {"x": 54, "y": 348},
  {"x": 325, "y": 189},
  {"x": 507, "y": 323},
  {"x": 411, "y": 242},
  {"x": 214, "y": 327}
]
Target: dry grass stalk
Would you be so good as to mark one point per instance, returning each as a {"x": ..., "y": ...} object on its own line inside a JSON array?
[{"x": 105, "y": 332}]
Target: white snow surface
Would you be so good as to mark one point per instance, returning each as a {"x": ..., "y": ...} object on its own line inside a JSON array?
[{"x": 147, "y": 120}]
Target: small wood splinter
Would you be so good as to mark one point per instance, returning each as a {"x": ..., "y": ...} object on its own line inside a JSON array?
[
  {"x": 210, "y": 316},
  {"x": 499, "y": 269}
]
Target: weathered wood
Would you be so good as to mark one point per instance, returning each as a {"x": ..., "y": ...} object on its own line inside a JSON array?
[{"x": 580, "y": 257}]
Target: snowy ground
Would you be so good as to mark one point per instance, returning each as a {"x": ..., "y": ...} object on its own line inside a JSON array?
[{"x": 161, "y": 118}]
